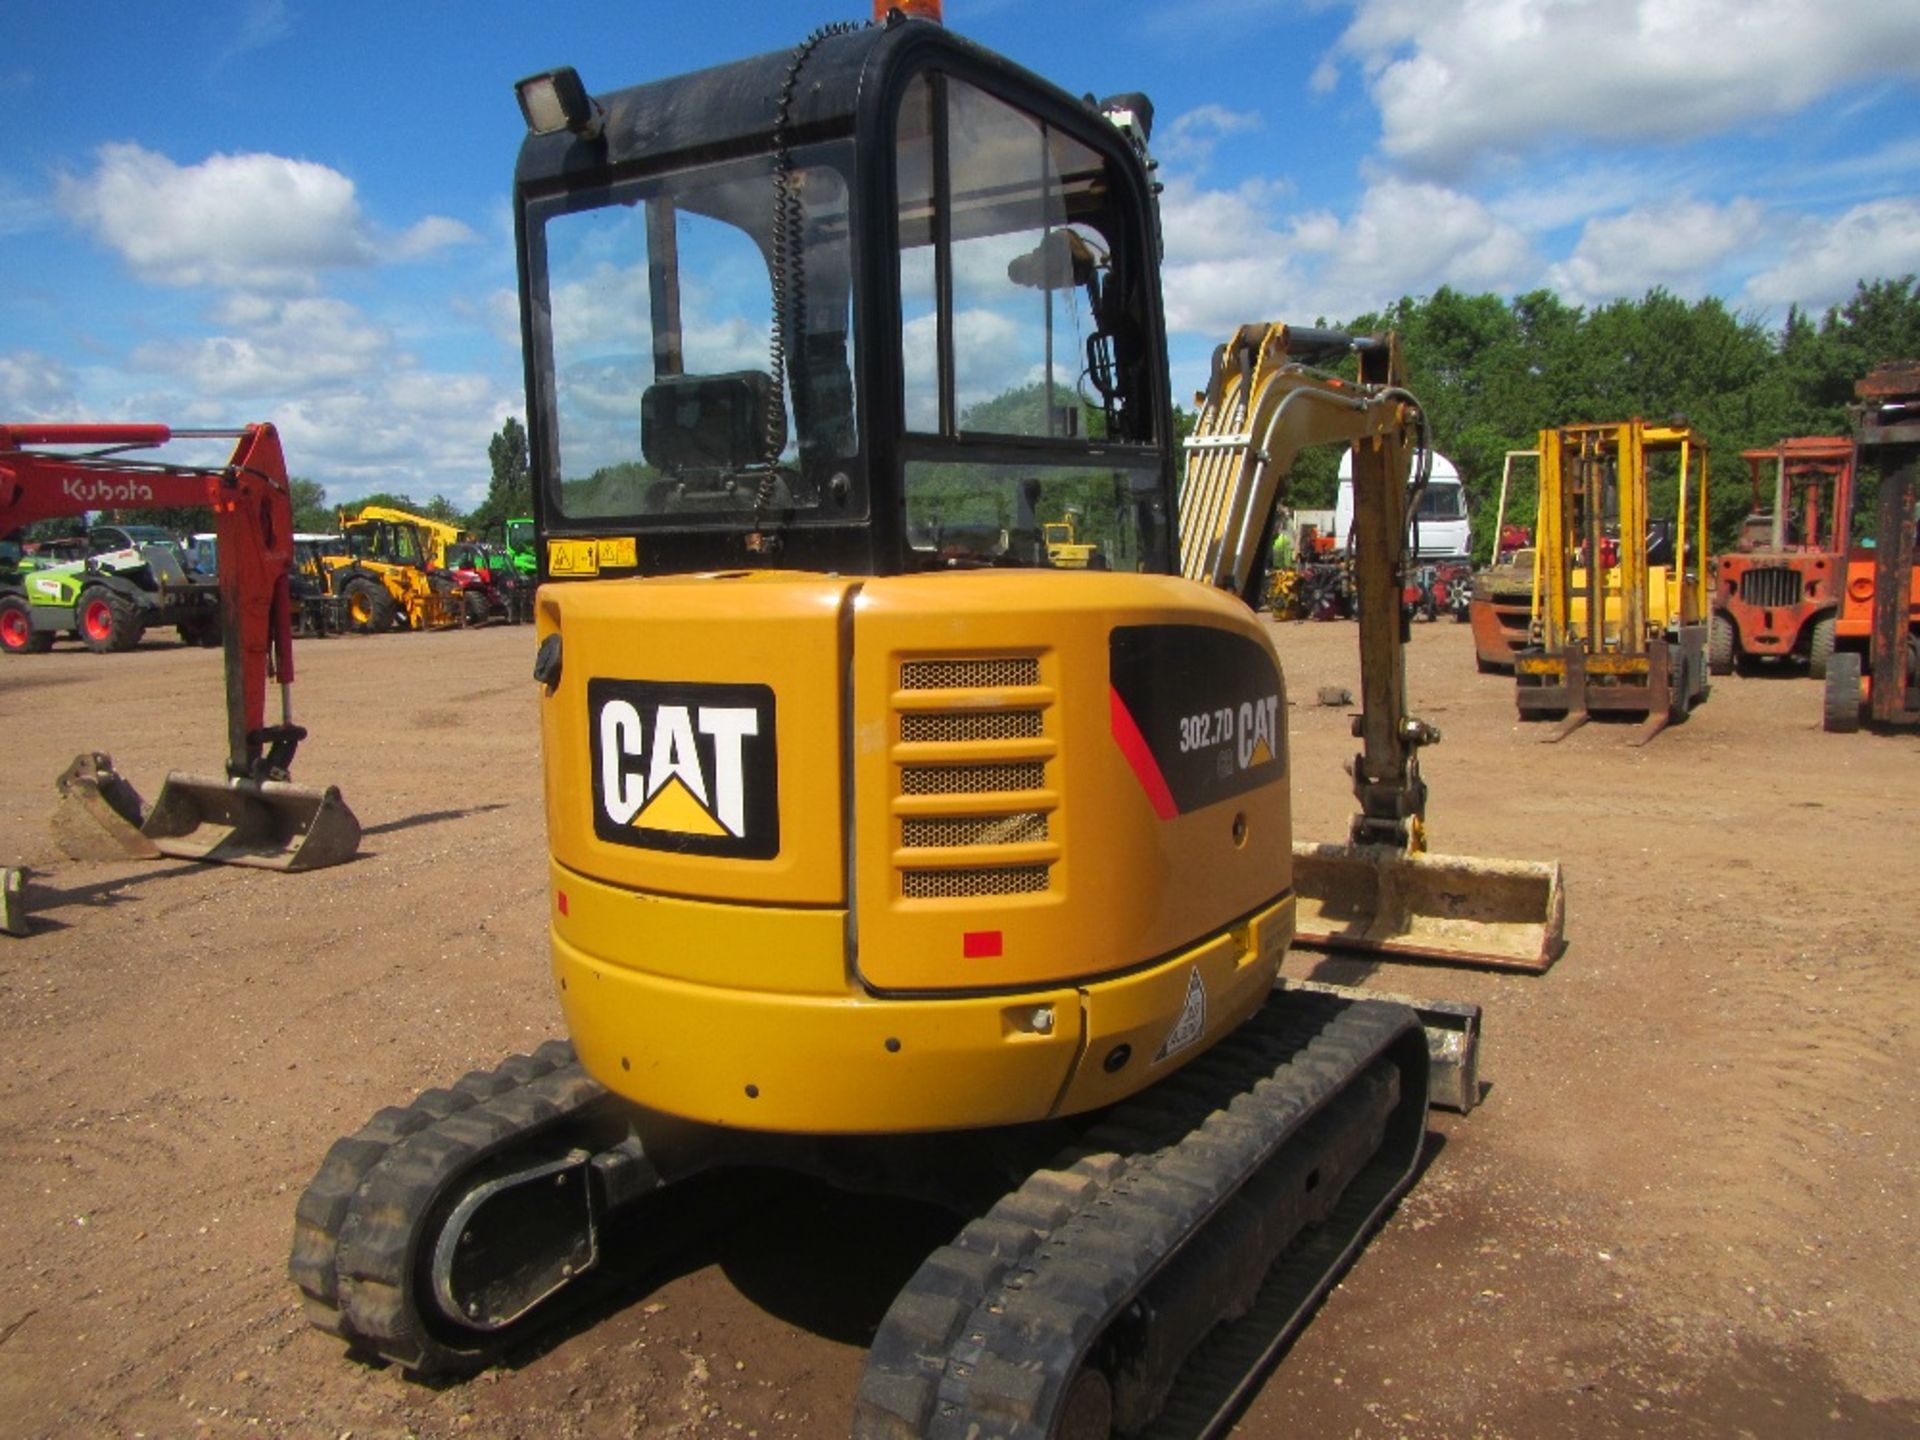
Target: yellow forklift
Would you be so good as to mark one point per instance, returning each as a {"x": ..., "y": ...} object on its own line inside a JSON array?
[{"x": 1620, "y": 599}]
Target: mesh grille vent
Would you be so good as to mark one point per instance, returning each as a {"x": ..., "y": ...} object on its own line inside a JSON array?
[
  {"x": 967, "y": 884},
  {"x": 1774, "y": 585},
  {"x": 972, "y": 779},
  {"x": 948, "y": 834},
  {"x": 969, "y": 674},
  {"x": 972, "y": 725}
]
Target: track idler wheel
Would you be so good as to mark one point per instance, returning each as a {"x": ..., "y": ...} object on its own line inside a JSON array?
[{"x": 432, "y": 1232}]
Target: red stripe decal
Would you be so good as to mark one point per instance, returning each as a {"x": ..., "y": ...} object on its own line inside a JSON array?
[{"x": 1133, "y": 745}]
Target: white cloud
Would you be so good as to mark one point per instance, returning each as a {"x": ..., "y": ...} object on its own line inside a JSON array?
[
  {"x": 1232, "y": 259},
  {"x": 253, "y": 221},
  {"x": 417, "y": 432},
  {"x": 34, "y": 387},
  {"x": 1409, "y": 237},
  {"x": 1828, "y": 258},
  {"x": 19, "y": 211},
  {"x": 1679, "y": 246},
  {"x": 1226, "y": 263},
  {"x": 1455, "y": 79},
  {"x": 284, "y": 346},
  {"x": 1190, "y": 139},
  {"x": 1545, "y": 199},
  {"x": 435, "y": 233},
  {"x": 259, "y": 24}
]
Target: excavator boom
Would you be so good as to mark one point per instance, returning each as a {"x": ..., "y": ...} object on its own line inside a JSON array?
[{"x": 254, "y": 815}]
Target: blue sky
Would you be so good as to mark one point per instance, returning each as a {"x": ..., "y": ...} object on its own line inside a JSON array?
[{"x": 273, "y": 209}]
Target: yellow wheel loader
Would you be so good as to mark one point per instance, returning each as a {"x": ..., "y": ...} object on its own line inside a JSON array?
[{"x": 881, "y": 847}]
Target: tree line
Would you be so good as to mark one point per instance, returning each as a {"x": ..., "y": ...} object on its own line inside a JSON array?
[{"x": 1492, "y": 373}]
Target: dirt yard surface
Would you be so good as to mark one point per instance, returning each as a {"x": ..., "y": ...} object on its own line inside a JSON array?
[{"x": 1686, "y": 1207}]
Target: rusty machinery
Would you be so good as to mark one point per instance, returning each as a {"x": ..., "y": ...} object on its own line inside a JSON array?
[
  {"x": 1883, "y": 589},
  {"x": 1778, "y": 593}
]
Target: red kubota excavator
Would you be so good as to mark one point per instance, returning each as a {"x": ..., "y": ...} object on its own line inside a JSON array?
[{"x": 254, "y": 815}]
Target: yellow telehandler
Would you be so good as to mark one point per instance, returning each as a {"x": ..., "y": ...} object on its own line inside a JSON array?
[{"x": 383, "y": 577}]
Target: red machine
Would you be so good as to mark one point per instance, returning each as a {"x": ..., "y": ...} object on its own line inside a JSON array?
[
  {"x": 1779, "y": 594},
  {"x": 255, "y": 816},
  {"x": 1876, "y": 670}
]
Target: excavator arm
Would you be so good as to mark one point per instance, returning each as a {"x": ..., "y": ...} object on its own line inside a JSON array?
[
  {"x": 1379, "y": 893},
  {"x": 252, "y": 515},
  {"x": 255, "y": 816},
  {"x": 1263, "y": 406}
]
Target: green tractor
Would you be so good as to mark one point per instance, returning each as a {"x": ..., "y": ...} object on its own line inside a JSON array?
[
  {"x": 133, "y": 580},
  {"x": 520, "y": 545}
]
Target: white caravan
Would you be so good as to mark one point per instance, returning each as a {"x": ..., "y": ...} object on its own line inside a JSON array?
[{"x": 1445, "y": 529}]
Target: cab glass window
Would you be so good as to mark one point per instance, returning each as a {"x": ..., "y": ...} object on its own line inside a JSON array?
[
  {"x": 1025, "y": 360},
  {"x": 675, "y": 401}
]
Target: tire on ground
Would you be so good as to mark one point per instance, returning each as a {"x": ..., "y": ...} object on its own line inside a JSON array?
[
  {"x": 202, "y": 630},
  {"x": 1680, "y": 691},
  {"x": 17, "y": 635},
  {"x": 1841, "y": 711},
  {"x": 1720, "y": 645},
  {"x": 1820, "y": 648},
  {"x": 106, "y": 619},
  {"x": 369, "y": 606}
]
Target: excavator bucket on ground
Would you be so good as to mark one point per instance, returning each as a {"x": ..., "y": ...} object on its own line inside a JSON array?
[
  {"x": 268, "y": 824},
  {"x": 1378, "y": 899},
  {"x": 98, "y": 814},
  {"x": 1382, "y": 894}
]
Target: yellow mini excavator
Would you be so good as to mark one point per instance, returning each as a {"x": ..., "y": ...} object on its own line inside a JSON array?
[{"x": 882, "y": 848}]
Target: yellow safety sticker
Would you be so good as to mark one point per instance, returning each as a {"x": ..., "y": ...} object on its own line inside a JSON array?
[
  {"x": 617, "y": 553},
  {"x": 573, "y": 557}
]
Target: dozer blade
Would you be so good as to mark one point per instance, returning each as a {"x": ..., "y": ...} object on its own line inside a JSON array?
[
  {"x": 270, "y": 824},
  {"x": 1448, "y": 908},
  {"x": 99, "y": 813}
]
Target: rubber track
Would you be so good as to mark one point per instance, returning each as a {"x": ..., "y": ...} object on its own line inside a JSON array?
[
  {"x": 356, "y": 1232},
  {"x": 992, "y": 1329}
]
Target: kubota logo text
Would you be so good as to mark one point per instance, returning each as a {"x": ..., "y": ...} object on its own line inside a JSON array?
[
  {"x": 95, "y": 493},
  {"x": 685, "y": 767}
]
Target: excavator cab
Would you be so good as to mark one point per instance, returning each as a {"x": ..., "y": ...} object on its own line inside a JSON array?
[{"x": 873, "y": 331}]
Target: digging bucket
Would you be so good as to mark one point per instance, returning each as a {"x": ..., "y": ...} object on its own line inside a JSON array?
[
  {"x": 1449, "y": 908},
  {"x": 98, "y": 814},
  {"x": 269, "y": 824}
]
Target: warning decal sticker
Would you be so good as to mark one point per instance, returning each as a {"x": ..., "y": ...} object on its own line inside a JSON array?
[{"x": 1192, "y": 1023}]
